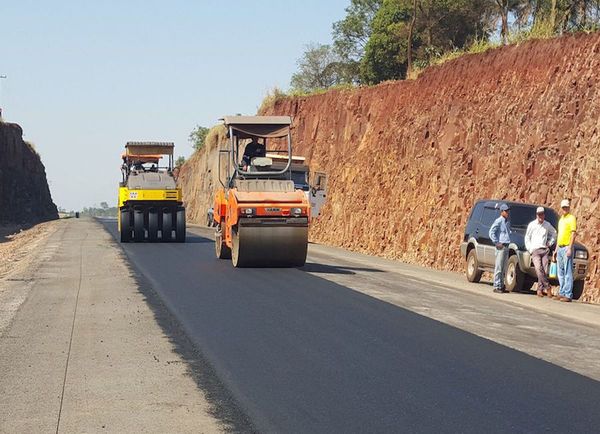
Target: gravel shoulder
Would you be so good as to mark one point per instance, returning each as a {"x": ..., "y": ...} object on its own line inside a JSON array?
[{"x": 85, "y": 351}]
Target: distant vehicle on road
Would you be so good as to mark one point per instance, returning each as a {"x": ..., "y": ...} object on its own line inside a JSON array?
[
  {"x": 479, "y": 251},
  {"x": 314, "y": 184}
]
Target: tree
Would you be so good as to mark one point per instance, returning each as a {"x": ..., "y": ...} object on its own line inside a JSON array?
[
  {"x": 104, "y": 205},
  {"x": 318, "y": 68},
  {"x": 351, "y": 34},
  {"x": 411, "y": 31},
  {"x": 180, "y": 160},
  {"x": 385, "y": 53},
  {"x": 425, "y": 28},
  {"x": 198, "y": 136}
]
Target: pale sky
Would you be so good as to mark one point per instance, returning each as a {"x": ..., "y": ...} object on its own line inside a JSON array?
[{"x": 84, "y": 77}]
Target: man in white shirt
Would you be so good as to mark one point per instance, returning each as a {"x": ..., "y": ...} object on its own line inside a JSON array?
[{"x": 540, "y": 236}]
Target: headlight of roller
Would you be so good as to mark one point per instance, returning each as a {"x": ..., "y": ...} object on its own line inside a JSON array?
[
  {"x": 581, "y": 254},
  {"x": 248, "y": 211},
  {"x": 296, "y": 211}
]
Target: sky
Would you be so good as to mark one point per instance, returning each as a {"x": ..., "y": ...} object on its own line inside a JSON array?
[{"x": 84, "y": 77}]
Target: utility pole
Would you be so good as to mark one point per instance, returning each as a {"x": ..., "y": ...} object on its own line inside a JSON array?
[{"x": 1, "y": 77}]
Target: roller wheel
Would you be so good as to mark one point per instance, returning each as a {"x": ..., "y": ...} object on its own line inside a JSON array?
[
  {"x": 180, "y": 226},
  {"x": 125, "y": 226},
  {"x": 221, "y": 249},
  {"x": 167, "y": 226},
  {"x": 153, "y": 226},
  {"x": 269, "y": 246},
  {"x": 138, "y": 226}
]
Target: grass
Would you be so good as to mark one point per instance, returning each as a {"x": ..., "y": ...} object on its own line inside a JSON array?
[
  {"x": 477, "y": 47},
  {"x": 276, "y": 94}
]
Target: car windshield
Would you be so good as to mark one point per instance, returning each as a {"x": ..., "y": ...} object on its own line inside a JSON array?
[{"x": 522, "y": 215}]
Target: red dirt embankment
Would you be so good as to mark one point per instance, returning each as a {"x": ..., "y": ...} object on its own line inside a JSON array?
[{"x": 407, "y": 160}]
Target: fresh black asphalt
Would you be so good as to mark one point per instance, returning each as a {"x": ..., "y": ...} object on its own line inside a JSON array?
[{"x": 302, "y": 354}]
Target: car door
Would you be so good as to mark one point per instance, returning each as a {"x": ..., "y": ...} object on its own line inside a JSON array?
[{"x": 318, "y": 193}]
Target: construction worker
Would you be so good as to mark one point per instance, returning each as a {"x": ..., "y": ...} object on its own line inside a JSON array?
[
  {"x": 253, "y": 150},
  {"x": 567, "y": 231},
  {"x": 540, "y": 236},
  {"x": 500, "y": 236}
]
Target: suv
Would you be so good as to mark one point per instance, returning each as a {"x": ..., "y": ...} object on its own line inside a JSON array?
[{"x": 479, "y": 251}]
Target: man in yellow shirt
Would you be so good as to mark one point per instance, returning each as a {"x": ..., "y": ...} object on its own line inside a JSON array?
[{"x": 567, "y": 231}]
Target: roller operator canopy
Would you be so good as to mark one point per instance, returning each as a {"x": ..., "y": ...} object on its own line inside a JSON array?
[
  {"x": 246, "y": 127},
  {"x": 149, "y": 148}
]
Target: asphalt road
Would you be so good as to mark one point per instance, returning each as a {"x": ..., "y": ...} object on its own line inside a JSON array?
[{"x": 300, "y": 353}]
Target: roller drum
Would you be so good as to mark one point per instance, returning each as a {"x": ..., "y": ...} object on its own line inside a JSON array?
[{"x": 269, "y": 246}]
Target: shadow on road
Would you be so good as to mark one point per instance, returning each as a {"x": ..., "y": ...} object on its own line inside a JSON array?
[
  {"x": 196, "y": 239},
  {"x": 312, "y": 267}
]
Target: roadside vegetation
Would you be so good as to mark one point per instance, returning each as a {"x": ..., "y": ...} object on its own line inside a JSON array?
[
  {"x": 102, "y": 210},
  {"x": 380, "y": 40}
]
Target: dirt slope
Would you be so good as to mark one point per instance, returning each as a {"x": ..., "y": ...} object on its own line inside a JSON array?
[
  {"x": 199, "y": 178},
  {"x": 407, "y": 159},
  {"x": 24, "y": 193}
]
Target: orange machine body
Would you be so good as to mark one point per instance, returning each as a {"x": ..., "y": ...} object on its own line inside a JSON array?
[{"x": 232, "y": 205}]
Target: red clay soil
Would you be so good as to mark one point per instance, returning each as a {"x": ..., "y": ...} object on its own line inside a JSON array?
[{"x": 407, "y": 159}]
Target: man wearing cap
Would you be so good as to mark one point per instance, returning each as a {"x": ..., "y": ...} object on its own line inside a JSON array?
[
  {"x": 567, "y": 231},
  {"x": 540, "y": 236},
  {"x": 500, "y": 236}
]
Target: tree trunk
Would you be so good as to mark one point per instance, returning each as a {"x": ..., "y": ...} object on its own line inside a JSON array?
[
  {"x": 410, "y": 39},
  {"x": 504, "y": 31},
  {"x": 503, "y": 9},
  {"x": 553, "y": 16}
]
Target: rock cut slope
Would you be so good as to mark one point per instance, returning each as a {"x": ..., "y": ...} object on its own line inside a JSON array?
[
  {"x": 407, "y": 159},
  {"x": 24, "y": 193}
]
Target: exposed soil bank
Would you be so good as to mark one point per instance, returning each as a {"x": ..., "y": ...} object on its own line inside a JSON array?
[
  {"x": 24, "y": 193},
  {"x": 406, "y": 160}
]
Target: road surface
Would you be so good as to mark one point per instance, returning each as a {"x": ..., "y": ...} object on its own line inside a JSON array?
[{"x": 301, "y": 353}]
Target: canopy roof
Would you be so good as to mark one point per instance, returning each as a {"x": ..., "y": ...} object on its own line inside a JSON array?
[
  {"x": 149, "y": 148},
  {"x": 246, "y": 127},
  {"x": 143, "y": 158}
]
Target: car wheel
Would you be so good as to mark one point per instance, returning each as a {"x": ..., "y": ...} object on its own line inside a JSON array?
[
  {"x": 514, "y": 277},
  {"x": 578, "y": 288},
  {"x": 473, "y": 271}
]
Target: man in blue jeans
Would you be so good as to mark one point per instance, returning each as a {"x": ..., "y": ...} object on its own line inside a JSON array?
[
  {"x": 500, "y": 236},
  {"x": 567, "y": 231}
]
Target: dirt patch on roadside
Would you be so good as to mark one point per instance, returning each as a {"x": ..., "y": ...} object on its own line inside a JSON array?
[{"x": 18, "y": 245}]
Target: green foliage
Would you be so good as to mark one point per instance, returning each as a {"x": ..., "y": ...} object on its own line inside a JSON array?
[
  {"x": 320, "y": 68},
  {"x": 103, "y": 211},
  {"x": 441, "y": 26},
  {"x": 198, "y": 137},
  {"x": 180, "y": 161},
  {"x": 270, "y": 99},
  {"x": 371, "y": 43},
  {"x": 385, "y": 52},
  {"x": 351, "y": 34}
]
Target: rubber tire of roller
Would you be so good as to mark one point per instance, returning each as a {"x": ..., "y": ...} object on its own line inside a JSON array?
[
  {"x": 221, "y": 249},
  {"x": 125, "y": 226},
  {"x": 180, "y": 226},
  {"x": 153, "y": 226},
  {"x": 167, "y": 226},
  {"x": 138, "y": 226}
]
